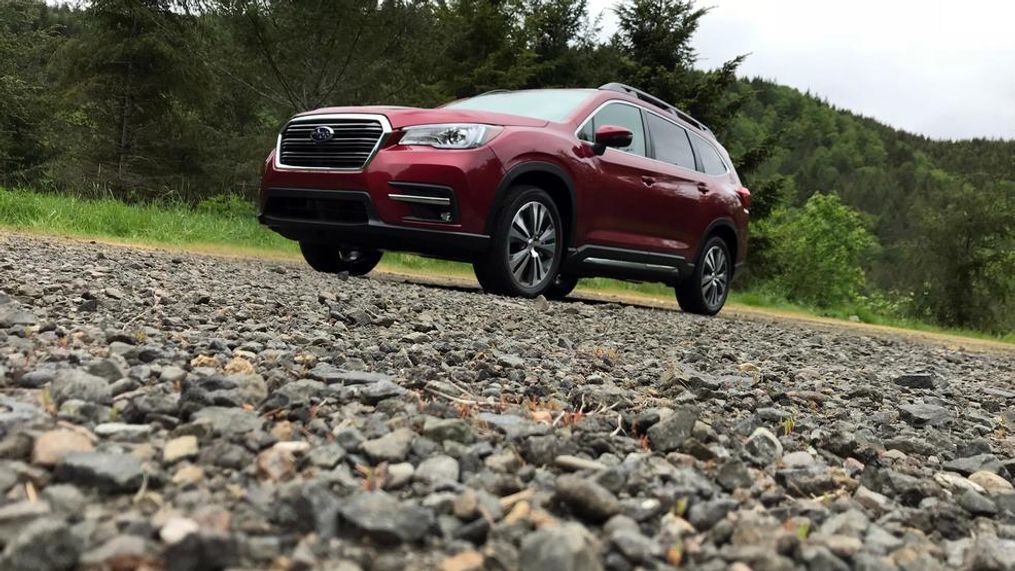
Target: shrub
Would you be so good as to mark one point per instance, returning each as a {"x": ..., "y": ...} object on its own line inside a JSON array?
[{"x": 818, "y": 252}]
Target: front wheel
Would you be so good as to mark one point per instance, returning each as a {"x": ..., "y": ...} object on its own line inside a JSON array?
[
  {"x": 332, "y": 259},
  {"x": 526, "y": 245},
  {"x": 705, "y": 290}
]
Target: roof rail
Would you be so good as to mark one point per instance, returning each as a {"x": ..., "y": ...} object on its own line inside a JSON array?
[
  {"x": 491, "y": 92},
  {"x": 652, "y": 99}
]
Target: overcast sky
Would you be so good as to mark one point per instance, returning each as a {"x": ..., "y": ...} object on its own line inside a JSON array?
[{"x": 943, "y": 69}]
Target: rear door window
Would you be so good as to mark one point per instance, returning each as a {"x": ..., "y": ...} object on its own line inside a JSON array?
[
  {"x": 670, "y": 142},
  {"x": 621, "y": 115},
  {"x": 711, "y": 161}
]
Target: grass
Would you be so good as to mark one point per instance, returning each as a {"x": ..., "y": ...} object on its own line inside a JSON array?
[{"x": 229, "y": 226}]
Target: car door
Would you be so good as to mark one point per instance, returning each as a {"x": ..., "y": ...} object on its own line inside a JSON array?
[
  {"x": 615, "y": 216},
  {"x": 673, "y": 202}
]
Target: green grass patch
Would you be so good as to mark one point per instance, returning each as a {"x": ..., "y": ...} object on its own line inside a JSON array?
[{"x": 230, "y": 224}]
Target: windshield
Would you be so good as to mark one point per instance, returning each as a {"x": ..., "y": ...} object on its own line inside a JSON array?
[{"x": 543, "y": 104}]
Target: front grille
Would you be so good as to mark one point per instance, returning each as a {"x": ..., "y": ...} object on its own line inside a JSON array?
[
  {"x": 341, "y": 210},
  {"x": 350, "y": 147}
]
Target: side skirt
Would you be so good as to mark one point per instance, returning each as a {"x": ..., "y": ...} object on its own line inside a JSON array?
[{"x": 625, "y": 264}]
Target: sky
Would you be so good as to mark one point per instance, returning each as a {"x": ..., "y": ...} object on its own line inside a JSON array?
[{"x": 941, "y": 69}]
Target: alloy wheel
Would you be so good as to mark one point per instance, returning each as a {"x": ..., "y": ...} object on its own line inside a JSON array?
[
  {"x": 349, "y": 255},
  {"x": 532, "y": 244},
  {"x": 714, "y": 276}
]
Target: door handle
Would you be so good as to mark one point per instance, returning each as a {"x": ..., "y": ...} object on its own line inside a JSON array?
[
  {"x": 703, "y": 187},
  {"x": 649, "y": 181}
]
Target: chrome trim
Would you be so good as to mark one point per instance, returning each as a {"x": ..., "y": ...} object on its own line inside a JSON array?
[
  {"x": 630, "y": 265},
  {"x": 385, "y": 132},
  {"x": 443, "y": 201},
  {"x": 646, "y": 128}
]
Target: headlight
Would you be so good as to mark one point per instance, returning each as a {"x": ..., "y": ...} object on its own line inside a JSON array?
[{"x": 451, "y": 136}]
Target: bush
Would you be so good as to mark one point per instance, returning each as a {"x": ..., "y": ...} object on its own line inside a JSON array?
[
  {"x": 817, "y": 253},
  {"x": 227, "y": 206}
]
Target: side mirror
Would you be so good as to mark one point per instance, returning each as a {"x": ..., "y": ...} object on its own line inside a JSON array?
[{"x": 612, "y": 136}]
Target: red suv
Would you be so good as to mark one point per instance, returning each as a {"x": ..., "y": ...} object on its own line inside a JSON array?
[{"x": 535, "y": 188}]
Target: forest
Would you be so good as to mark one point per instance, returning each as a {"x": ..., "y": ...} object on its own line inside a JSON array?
[{"x": 179, "y": 101}]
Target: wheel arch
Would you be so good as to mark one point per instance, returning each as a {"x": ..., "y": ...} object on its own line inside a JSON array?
[
  {"x": 551, "y": 178},
  {"x": 725, "y": 229}
]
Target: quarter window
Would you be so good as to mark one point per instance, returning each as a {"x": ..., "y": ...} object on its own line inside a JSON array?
[
  {"x": 670, "y": 142},
  {"x": 621, "y": 115},
  {"x": 711, "y": 162}
]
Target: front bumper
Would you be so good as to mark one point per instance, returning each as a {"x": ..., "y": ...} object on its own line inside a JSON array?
[{"x": 349, "y": 218}]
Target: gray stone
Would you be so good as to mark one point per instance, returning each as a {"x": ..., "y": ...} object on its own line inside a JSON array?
[
  {"x": 79, "y": 385},
  {"x": 992, "y": 554},
  {"x": 636, "y": 547},
  {"x": 15, "y": 516},
  {"x": 227, "y": 421},
  {"x": 11, "y": 315},
  {"x": 222, "y": 390},
  {"x": 381, "y": 390},
  {"x": 46, "y": 543},
  {"x": 762, "y": 447},
  {"x": 436, "y": 470},
  {"x": 111, "y": 369},
  {"x": 512, "y": 426},
  {"x": 392, "y": 447},
  {"x": 109, "y": 472},
  {"x": 566, "y": 547},
  {"x": 119, "y": 548},
  {"x": 586, "y": 498},
  {"x": 36, "y": 379},
  {"x": 976, "y": 503},
  {"x": 922, "y": 414},
  {"x": 969, "y": 465},
  {"x": 733, "y": 474},
  {"x": 326, "y": 456},
  {"x": 441, "y": 429},
  {"x": 384, "y": 519},
  {"x": 123, "y": 431},
  {"x": 669, "y": 433},
  {"x": 915, "y": 380}
]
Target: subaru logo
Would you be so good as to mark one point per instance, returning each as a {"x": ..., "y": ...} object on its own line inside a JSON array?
[{"x": 322, "y": 134}]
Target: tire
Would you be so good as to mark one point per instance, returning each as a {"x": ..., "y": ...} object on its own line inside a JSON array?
[
  {"x": 526, "y": 245},
  {"x": 705, "y": 291},
  {"x": 332, "y": 259},
  {"x": 561, "y": 287}
]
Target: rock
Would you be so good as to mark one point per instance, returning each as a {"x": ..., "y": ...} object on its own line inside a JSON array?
[
  {"x": 50, "y": 447},
  {"x": 180, "y": 448},
  {"x": 111, "y": 369},
  {"x": 399, "y": 475},
  {"x": 202, "y": 551},
  {"x": 384, "y": 519},
  {"x": 922, "y": 414},
  {"x": 991, "y": 482},
  {"x": 798, "y": 459},
  {"x": 470, "y": 560},
  {"x": 177, "y": 528},
  {"x": 992, "y": 554},
  {"x": 46, "y": 543},
  {"x": 669, "y": 433},
  {"x": 733, "y": 474},
  {"x": 109, "y": 472},
  {"x": 975, "y": 503},
  {"x": 915, "y": 380},
  {"x": 704, "y": 515},
  {"x": 326, "y": 456},
  {"x": 392, "y": 447},
  {"x": 569, "y": 462},
  {"x": 121, "y": 550},
  {"x": 276, "y": 464},
  {"x": 79, "y": 385},
  {"x": 586, "y": 498},
  {"x": 441, "y": 429},
  {"x": 381, "y": 390},
  {"x": 229, "y": 421},
  {"x": 36, "y": 379},
  {"x": 13, "y": 316},
  {"x": 567, "y": 547},
  {"x": 15, "y": 516},
  {"x": 123, "y": 431},
  {"x": 877, "y": 503},
  {"x": 636, "y": 547},
  {"x": 978, "y": 463},
  {"x": 172, "y": 374},
  {"x": 234, "y": 390},
  {"x": 437, "y": 470},
  {"x": 762, "y": 447}
]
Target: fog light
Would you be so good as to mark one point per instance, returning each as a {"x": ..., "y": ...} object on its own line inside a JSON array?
[{"x": 445, "y": 217}]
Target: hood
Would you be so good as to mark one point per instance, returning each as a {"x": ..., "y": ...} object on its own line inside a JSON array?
[{"x": 408, "y": 116}]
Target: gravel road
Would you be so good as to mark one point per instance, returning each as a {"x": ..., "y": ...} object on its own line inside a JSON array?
[{"x": 177, "y": 411}]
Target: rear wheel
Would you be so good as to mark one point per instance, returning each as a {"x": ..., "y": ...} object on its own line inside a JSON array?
[
  {"x": 332, "y": 259},
  {"x": 561, "y": 287},
  {"x": 526, "y": 245},
  {"x": 706, "y": 289}
]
